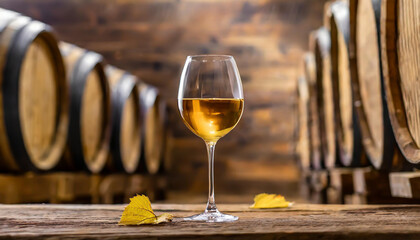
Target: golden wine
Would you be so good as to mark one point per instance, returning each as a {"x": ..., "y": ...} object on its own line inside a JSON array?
[{"x": 211, "y": 118}]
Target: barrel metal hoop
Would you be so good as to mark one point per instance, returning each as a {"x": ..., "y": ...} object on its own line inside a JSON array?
[{"x": 6, "y": 17}]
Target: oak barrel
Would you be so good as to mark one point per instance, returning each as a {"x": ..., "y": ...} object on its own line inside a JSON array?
[
  {"x": 325, "y": 96},
  {"x": 126, "y": 121},
  {"x": 33, "y": 95},
  {"x": 90, "y": 109},
  {"x": 152, "y": 108},
  {"x": 314, "y": 138},
  {"x": 169, "y": 143},
  {"x": 349, "y": 141},
  {"x": 369, "y": 92},
  {"x": 303, "y": 114},
  {"x": 400, "y": 39}
]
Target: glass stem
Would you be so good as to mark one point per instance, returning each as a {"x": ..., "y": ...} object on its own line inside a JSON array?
[{"x": 211, "y": 204}]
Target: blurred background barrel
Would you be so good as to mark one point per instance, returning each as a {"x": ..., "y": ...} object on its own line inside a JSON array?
[
  {"x": 314, "y": 138},
  {"x": 33, "y": 96},
  {"x": 400, "y": 40},
  {"x": 349, "y": 141},
  {"x": 169, "y": 141},
  {"x": 153, "y": 113},
  {"x": 90, "y": 109},
  {"x": 325, "y": 96},
  {"x": 369, "y": 92},
  {"x": 126, "y": 121},
  {"x": 303, "y": 110}
]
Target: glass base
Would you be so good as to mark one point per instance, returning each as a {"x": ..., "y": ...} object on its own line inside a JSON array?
[{"x": 212, "y": 216}]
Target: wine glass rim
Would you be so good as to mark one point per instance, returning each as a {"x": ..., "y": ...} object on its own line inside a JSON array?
[{"x": 201, "y": 57}]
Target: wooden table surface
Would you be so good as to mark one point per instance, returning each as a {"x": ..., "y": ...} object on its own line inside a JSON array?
[{"x": 301, "y": 221}]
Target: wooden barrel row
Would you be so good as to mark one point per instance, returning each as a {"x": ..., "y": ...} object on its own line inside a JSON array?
[
  {"x": 63, "y": 108},
  {"x": 366, "y": 60}
]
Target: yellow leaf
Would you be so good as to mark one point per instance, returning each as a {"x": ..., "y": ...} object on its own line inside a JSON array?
[
  {"x": 139, "y": 211},
  {"x": 265, "y": 200},
  {"x": 165, "y": 217}
]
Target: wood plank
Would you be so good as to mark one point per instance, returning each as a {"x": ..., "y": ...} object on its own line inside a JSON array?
[
  {"x": 341, "y": 184},
  {"x": 319, "y": 184},
  {"x": 304, "y": 185},
  {"x": 301, "y": 221},
  {"x": 405, "y": 184},
  {"x": 65, "y": 187},
  {"x": 375, "y": 186},
  {"x": 355, "y": 199}
]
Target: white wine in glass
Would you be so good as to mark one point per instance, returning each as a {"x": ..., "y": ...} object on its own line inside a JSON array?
[{"x": 210, "y": 100}]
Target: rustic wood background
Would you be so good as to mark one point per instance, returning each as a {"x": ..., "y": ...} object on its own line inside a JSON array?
[{"x": 152, "y": 38}]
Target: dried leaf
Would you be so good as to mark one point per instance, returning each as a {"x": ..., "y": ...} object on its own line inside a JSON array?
[
  {"x": 265, "y": 200},
  {"x": 139, "y": 211}
]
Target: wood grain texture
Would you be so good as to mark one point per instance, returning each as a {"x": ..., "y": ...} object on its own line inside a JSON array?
[
  {"x": 408, "y": 49},
  {"x": 296, "y": 222},
  {"x": 400, "y": 59}
]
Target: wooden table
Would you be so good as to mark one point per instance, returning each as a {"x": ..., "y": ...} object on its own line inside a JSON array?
[{"x": 297, "y": 222}]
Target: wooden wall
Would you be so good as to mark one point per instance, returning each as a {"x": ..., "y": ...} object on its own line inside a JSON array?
[{"x": 151, "y": 38}]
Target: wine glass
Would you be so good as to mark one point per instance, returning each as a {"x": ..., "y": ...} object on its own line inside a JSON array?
[{"x": 211, "y": 102}]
